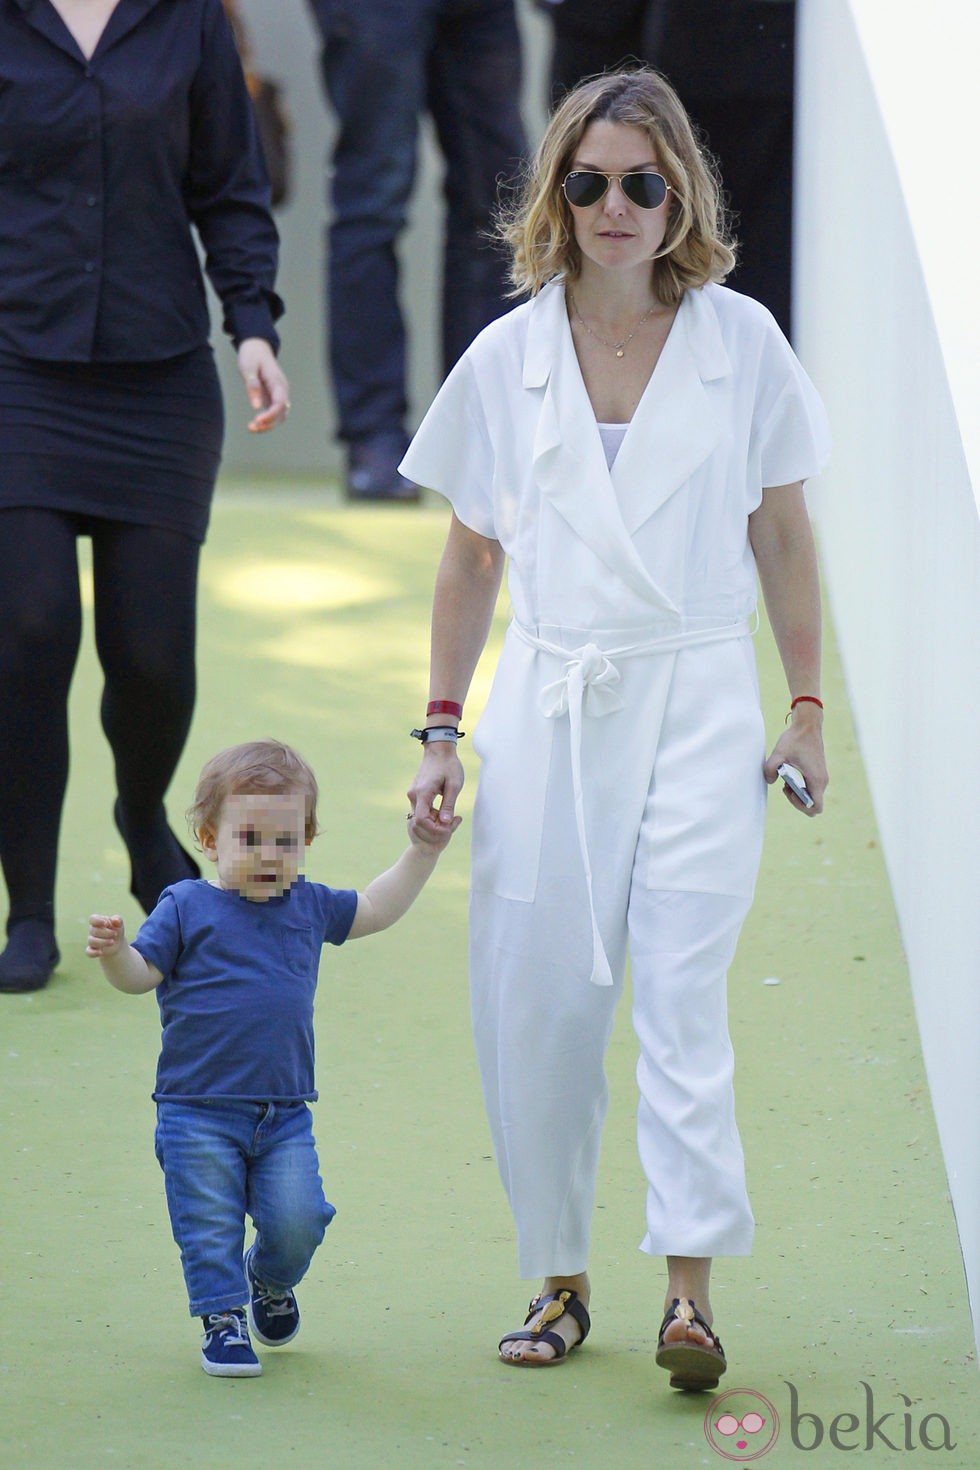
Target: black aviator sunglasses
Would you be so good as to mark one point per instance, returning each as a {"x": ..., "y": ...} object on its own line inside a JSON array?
[{"x": 582, "y": 188}]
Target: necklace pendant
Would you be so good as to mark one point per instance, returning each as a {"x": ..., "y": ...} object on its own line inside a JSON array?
[{"x": 620, "y": 351}]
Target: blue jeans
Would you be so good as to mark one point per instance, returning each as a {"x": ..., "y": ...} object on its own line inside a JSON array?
[
  {"x": 224, "y": 1160},
  {"x": 384, "y": 63}
]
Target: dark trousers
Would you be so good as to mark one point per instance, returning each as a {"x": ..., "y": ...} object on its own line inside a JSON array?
[
  {"x": 732, "y": 63},
  {"x": 385, "y": 63},
  {"x": 145, "y": 614}
]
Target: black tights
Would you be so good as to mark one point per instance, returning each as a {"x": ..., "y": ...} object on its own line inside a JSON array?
[{"x": 145, "y": 616}]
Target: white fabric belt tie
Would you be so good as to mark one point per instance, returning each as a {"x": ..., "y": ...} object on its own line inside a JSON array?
[{"x": 587, "y": 686}]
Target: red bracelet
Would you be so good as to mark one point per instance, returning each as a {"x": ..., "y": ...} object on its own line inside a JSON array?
[
  {"x": 444, "y": 707},
  {"x": 804, "y": 698}
]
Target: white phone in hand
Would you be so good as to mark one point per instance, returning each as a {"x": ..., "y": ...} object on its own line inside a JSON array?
[{"x": 794, "y": 780}]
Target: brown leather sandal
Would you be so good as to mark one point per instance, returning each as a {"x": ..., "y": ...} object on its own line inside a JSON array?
[
  {"x": 692, "y": 1365},
  {"x": 552, "y": 1308}
]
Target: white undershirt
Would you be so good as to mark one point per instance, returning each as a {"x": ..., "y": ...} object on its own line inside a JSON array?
[{"x": 612, "y": 436}]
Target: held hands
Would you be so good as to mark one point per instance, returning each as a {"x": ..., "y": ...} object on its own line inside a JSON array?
[
  {"x": 106, "y": 936},
  {"x": 391, "y": 894},
  {"x": 265, "y": 384},
  {"x": 438, "y": 782},
  {"x": 802, "y": 746}
]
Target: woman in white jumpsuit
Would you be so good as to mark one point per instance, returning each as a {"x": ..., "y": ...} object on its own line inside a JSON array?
[{"x": 633, "y": 439}]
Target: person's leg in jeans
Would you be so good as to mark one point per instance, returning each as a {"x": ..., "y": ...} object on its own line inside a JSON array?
[
  {"x": 40, "y": 628},
  {"x": 374, "y": 65},
  {"x": 474, "y": 98},
  {"x": 285, "y": 1197},
  {"x": 145, "y": 626},
  {"x": 204, "y": 1151},
  {"x": 222, "y": 1161}
]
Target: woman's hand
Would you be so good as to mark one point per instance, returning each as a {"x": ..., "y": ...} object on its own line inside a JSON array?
[
  {"x": 265, "y": 383},
  {"x": 802, "y": 746},
  {"x": 433, "y": 794}
]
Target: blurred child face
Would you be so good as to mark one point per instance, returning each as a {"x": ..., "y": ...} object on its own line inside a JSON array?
[{"x": 258, "y": 844}]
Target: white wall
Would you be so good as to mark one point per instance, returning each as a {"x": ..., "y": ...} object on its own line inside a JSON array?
[{"x": 888, "y": 313}]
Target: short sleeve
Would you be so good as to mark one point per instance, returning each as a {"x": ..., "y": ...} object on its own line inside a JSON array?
[
  {"x": 336, "y": 910},
  {"x": 452, "y": 452},
  {"x": 158, "y": 938},
  {"x": 793, "y": 435}
]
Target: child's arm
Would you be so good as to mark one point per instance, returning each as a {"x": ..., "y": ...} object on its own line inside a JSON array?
[
  {"x": 122, "y": 965},
  {"x": 391, "y": 894}
]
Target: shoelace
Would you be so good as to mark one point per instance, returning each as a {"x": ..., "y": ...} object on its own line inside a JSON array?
[
  {"x": 276, "y": 1303},
  {"x": 231, "y": 1326}
]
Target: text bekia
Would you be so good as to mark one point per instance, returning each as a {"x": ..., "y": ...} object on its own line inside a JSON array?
[{"x": 894, "y": 1430}]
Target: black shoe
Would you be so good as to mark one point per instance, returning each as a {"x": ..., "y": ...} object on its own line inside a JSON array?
[
  {"x": 30, "y": 957},
  {"x": 372, "y": 470},
  {"x": 156, "y": 860}
]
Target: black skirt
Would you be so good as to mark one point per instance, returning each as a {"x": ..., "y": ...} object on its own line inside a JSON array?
[{"x": 133, "y": 441}]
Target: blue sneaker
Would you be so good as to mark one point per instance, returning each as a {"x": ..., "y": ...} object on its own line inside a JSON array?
[
  {"x": 227, "y": 1352},
  {"x": 272, "y": 1313}
]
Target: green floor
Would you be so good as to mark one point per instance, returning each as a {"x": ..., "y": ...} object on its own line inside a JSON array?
[{"x": 314, "y": 628}]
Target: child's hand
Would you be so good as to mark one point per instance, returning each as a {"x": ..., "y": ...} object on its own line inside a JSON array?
[
  {"x": 432, "y": 835},
  {"x": 106, "y": 936}
]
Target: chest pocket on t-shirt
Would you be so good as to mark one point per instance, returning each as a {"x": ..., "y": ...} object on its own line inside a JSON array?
[{"x": 298, "y": 949}]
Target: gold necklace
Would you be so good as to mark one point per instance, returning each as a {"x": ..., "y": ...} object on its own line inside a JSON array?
[{"x": 618, "y": 347}]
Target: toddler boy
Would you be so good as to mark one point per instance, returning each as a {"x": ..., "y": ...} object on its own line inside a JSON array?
[{"x": 234, "y": 964}]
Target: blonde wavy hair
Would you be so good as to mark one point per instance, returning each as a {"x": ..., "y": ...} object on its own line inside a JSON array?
[{"x": 537, "y": 225}]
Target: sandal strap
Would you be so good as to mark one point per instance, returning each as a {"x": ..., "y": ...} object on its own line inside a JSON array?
[
  {"x": 552, "y": 1338},
  {"x": 673, "y": 1315},
  {"x": 560, "y": 1303},
  {"x": 568, "y": 1301}
]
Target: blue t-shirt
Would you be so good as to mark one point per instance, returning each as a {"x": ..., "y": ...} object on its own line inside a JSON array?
[{"x": 236, "y": 998}]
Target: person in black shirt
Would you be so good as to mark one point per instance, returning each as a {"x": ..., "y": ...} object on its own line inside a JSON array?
[{"x": 125, "y": 126}]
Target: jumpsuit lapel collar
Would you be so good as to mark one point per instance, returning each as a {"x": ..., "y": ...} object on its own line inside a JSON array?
[
  {"x": 677, "y": 423},
  {"x": 568, "y": 459}
]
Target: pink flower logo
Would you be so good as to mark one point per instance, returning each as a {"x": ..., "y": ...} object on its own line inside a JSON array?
[{"x": 741, "y": 1425}]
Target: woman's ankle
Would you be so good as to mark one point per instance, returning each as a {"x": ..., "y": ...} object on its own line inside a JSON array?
[{"x": 579, "y": 1283}]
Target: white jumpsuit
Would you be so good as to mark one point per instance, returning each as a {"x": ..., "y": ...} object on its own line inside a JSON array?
[{"x": 621, "y": 800}]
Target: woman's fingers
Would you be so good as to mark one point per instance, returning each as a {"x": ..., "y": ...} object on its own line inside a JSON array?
[{"x": 266, "y": 385}]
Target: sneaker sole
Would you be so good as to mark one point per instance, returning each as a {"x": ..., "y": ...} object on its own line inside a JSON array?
[{"x": 230, "y": 1370}]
